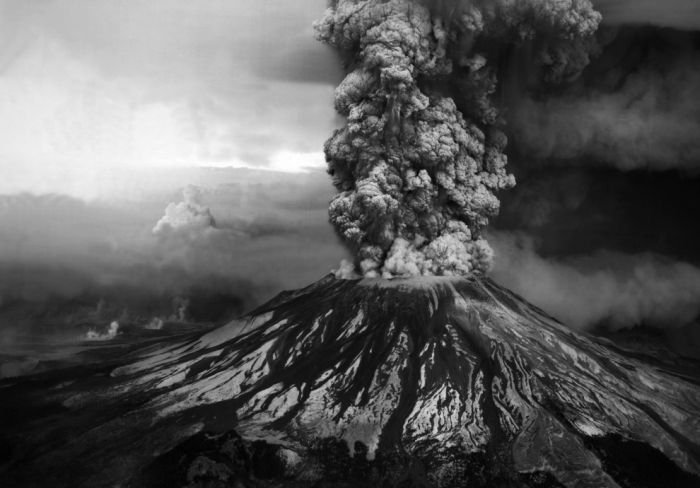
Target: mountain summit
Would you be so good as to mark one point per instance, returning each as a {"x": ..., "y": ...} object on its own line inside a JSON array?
[{"x": 417, "y": 382}]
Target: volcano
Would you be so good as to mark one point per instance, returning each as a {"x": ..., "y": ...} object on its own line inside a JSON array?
[{"x": 433, "y": 381}]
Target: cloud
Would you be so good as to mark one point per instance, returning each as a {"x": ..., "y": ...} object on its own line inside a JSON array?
[
  {"x": 577, "y": 210},
  {"x": 190, "y": 215},
  {"x": 679, "y": 14},
  {"x": 650, "y": 119},
  {"x": 605, "y": 287}
]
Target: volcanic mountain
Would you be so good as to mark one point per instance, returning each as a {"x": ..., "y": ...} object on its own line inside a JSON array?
[{"x": 418, "y": 382}]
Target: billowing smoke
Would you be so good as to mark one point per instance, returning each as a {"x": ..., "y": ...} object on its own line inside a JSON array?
[
  {"x": 605, "y": 288},
  {"x": 110, "y": 333},
  {"x": 421, "y": 158},
  {"x": 189, "y": 215}
]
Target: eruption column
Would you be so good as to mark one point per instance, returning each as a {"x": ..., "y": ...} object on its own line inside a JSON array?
[{"x": 420, "y": 160}]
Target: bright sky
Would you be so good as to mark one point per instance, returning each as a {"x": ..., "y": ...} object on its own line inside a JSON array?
[{"x": 88, "y": 86}]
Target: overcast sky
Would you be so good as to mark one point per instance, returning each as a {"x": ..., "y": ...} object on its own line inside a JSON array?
[
  {"x": 87, "y": 86},
  {"x": 92, "y": 84}
]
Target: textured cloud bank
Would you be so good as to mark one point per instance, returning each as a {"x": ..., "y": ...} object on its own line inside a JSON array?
[
  {"x": 609, "y": 161},
  {"x": 679, "y": 14},
  {"x": 610, "y": 288},
  {"x": 635, "y": 107},
  {"x": 422, "y": 155}
]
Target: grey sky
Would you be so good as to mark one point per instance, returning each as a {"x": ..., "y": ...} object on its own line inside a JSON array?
[
  {"x": 90, "y": 84},
  {"x": 678, "y": 14}
]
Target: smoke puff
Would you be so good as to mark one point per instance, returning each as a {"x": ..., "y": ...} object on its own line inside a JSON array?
[
  {"x": 620, "y": 290},
  {"x": 346, "y": 271},
  {"x": 418, "y": 174},
  {"x": 188, "y": 215}
]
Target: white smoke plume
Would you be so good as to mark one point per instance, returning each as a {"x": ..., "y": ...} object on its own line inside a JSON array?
[
  {"x": 611, "y": 288},
  {"x": 156, "y": 323},
  {"x": 188, "y": 215},
  {"x": 346, "y": 271},
  {"x": 419, "y": 162}
]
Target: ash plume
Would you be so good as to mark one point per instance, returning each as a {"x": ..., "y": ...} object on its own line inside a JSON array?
[
  {"x": 421, "y": 157},
  {"x": 189, "y": 215}
]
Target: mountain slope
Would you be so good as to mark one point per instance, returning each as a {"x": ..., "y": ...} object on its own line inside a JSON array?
[{"x": 441, "y": 376}]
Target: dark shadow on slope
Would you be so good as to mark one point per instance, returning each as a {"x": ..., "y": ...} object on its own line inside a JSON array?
[{"x": 637, "y": 465}]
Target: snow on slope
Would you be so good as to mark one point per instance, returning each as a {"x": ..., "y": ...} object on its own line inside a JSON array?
[{"x": 420, "y": 367}]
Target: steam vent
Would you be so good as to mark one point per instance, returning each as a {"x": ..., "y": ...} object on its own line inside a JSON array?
[{"x": 437, "y": 382}]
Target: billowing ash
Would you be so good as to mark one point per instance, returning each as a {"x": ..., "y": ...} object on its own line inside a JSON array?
[
  {"x": 189, "y": 215},
  {"x": 421, "y": 158}
]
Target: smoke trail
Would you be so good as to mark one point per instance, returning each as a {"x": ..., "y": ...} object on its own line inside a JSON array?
[{"x": 420, "y": 160}]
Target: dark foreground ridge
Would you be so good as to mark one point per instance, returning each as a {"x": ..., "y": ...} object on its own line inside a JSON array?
[{"x": 433, "y": 382}]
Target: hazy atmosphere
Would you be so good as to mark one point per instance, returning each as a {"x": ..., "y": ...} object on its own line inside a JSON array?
[{"x": 104, "y": 127}]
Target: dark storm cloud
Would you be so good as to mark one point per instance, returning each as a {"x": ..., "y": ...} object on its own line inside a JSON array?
[
  {"x": 579, "y": 210},
  {"x": 680, "y": 14},
  {"x": 635, "y": 107}
]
